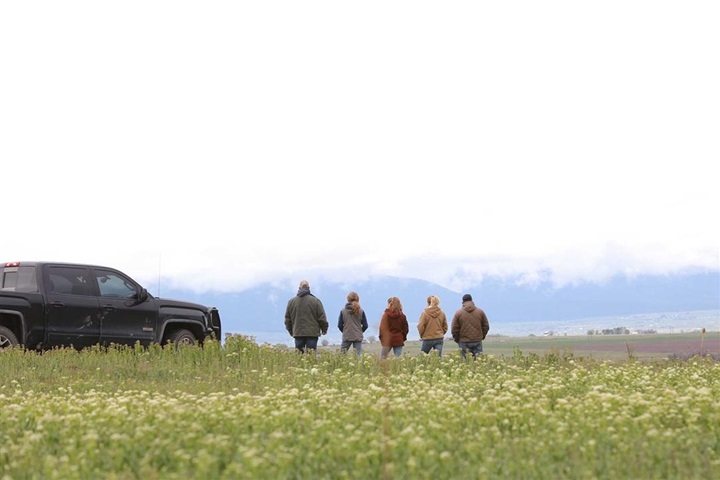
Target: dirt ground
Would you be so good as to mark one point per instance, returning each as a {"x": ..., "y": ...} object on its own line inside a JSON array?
[
  {"x": 615, "y": 347},
  {"x": 651, "y": 346},
  {"x": 681, "y": 345}
]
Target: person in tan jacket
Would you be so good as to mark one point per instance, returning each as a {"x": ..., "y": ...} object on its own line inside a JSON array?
[
  {"x": 469, "y": 327},
  {"x": 432, "y": 326}
]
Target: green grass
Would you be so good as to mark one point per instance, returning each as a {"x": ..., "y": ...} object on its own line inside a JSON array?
[{"x": 248, "y": 411}]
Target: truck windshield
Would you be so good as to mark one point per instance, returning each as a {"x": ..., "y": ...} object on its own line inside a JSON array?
[{"x": 19, "y": 279}]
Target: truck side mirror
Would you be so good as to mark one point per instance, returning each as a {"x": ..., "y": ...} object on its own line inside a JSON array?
[{"x": 142, "y": 295}]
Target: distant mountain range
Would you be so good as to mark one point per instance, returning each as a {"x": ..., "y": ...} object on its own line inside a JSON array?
[{"x": 260, "y": 311}]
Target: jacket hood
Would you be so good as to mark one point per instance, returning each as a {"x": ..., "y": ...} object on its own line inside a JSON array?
[
  {"x": 469, "y": 306},
  {"x": 433, "y": 311},
  {"x": 392, "y": 314}
]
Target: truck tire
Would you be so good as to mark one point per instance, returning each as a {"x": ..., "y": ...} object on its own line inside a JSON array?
[
  {"x": 7, "y": 338},
  {"x": 182, "y": 336}
]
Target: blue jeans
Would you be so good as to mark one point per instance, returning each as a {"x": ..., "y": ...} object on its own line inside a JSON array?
[
  {"x": 386, "y": 350},
  {"x": 306, "y": 343},
  {"x": 436, "y": 343},
  {"x": 474, "y": 347},
  {"x": 345, "y": 346}
]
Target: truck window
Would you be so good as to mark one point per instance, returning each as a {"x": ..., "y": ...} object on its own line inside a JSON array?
[
  {"x": 19, "y": 279},
  {"x": 113, "y": 285},
  {"x": 68, "y": 281}
]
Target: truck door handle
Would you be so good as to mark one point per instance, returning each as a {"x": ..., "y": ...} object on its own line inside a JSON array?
[
  {"x": 56, "y": 303},
  {"x": 109, "y": 308}
]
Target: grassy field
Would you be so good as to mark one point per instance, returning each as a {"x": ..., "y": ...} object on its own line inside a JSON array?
[{"x": 246, "y": 411}]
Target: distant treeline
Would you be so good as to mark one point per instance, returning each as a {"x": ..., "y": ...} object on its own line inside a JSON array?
[{"x": 619, "y": 331}]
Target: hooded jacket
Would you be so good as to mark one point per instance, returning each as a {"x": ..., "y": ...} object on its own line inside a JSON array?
[
  {"x": 305, "y": 315},
  {"x": 432, "y": 324},
  {"x": 393, "y": 329},
  {"x": 352, "y": 325},
  {"x": 470, "y": 324}
]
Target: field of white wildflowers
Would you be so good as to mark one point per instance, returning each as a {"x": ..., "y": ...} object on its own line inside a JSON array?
[{"x": 247, "y": 411}]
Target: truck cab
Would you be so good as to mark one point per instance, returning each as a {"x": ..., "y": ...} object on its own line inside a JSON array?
[{"x": 47, "y": 305}]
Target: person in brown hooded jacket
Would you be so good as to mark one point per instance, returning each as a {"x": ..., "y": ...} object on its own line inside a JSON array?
[
  {"x": 469, "y": 327},
  {"x": 432, "y": 326},
  {"x": 393, "y": 328}
]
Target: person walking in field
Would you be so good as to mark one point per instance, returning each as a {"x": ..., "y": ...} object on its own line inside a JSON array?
[
  {"x": 305, "y": 318},
  {"x": 469, "y": 327},
  {"x": 352, "y": 322},
  {"x": 432, "y": 326},
  {"x": 393, "y": 328}
]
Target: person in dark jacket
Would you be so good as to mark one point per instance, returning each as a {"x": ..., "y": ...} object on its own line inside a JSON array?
[
  {"x": 352, "y": 322},
  {"x": 469, "y": 327},
  {"x": 393, "y": 328},
  {"x": 305, "y": 318}
]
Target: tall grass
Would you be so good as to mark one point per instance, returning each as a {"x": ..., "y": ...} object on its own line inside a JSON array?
[{"x": 246, "y": 411}]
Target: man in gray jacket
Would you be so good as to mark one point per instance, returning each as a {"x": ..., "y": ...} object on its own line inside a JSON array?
[
  {"x": 305, "y": 318},
  {"x": 469, "y": 327}
]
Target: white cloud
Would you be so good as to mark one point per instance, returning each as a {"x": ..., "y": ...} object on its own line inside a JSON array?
[{"x": 225, "y": 144}]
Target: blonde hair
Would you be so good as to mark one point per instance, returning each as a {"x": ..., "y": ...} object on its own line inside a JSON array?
[
  {"x": 354, "y": 299},
  {"x": 394, "y": 305},
  {"x": 433, "y": 301}
]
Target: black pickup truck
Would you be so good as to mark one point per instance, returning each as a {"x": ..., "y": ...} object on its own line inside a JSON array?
[{"x": 45, "y": 305}]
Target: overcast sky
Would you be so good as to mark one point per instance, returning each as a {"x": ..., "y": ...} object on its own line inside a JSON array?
[{"x": 224, "y": 144}]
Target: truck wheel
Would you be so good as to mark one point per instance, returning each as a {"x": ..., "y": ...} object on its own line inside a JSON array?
[
  {"x": 7, "y": 338},
  {"x": 182, "y": 337}
]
